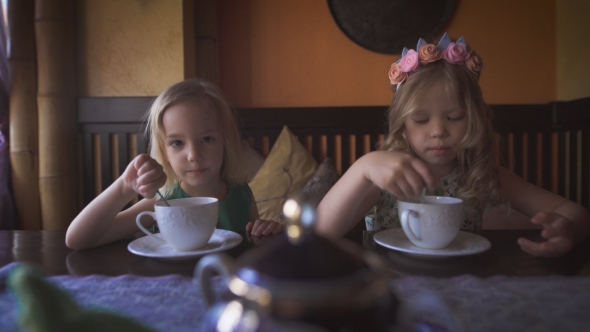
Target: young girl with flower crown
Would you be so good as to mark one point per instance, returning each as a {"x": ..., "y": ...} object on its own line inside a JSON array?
[
  {"x": 196, "y": 151},
  {"x": 440, "y": 137}
]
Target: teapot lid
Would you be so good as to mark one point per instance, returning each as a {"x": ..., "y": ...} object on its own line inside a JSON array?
[
  {"x": 298, "y": 254},
  {"x": 313, "y": 258}
]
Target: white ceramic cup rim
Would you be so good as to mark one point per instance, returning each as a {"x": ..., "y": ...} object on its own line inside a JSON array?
[
  {"x": 430, "y": 200},
  {"x": 180, "y": 203}
]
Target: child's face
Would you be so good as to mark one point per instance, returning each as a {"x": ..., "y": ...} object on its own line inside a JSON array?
[
  {"x": 436, "y": 127},
  {"x": 193, "y": 144}
]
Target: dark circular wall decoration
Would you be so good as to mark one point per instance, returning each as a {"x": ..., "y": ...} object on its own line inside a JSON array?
[{"x": 387, "y": 26}]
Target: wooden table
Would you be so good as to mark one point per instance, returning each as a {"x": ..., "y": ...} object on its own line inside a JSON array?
[
  {"x": 48, "y": 249},
  {"x": 471, "y": 293}
]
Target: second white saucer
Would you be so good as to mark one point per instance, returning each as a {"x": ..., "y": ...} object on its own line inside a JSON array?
[{"x": 464, "y": 244}]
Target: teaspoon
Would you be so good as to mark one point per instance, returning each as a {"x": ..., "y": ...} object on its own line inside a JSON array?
[{"x": 162, "y": 197}]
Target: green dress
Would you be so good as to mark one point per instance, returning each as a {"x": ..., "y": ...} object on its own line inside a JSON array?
[{"x": 234, "y": 210}]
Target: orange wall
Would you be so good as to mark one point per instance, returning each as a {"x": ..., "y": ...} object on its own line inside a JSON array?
[{"x": 291, "y": 53}]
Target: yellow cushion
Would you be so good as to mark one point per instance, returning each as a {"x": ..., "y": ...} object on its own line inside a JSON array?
[{"x": 285, "y": 172}]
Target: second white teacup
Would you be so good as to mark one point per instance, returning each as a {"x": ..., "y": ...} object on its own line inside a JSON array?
[
  {"x": 187, "y": 224},
  {"x": 430, "y": 222}
]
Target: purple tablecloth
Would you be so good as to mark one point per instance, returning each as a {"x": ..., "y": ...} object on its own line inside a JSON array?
[{"x": 464, "y": 303}]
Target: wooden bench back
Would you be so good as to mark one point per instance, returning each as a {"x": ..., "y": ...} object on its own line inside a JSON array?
[{"x": 547, "y": 145}]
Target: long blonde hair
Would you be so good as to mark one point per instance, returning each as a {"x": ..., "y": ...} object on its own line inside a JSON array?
[
  {"x": 209, "y": 97},
  {"x": 478, "y": 180}
]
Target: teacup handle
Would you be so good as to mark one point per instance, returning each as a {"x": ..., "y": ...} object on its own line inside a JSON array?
[
  {"x": 405, "y": 220},
  {"x": 209, "y": 266},
  {"x": 143, "y": 229}
]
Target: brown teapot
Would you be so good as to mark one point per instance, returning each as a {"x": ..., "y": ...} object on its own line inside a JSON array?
[{"x": 299, "y": 281}]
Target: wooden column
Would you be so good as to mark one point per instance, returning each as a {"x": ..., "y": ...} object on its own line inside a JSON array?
[
  {"x": 56, "y": 97},
  {"x": 206, "y": 47},
  {"x": 24, "y": 152}
]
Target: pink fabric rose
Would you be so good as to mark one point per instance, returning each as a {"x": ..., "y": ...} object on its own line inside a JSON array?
[
  {"x": 410, "y": 61},
  {"x": 455, "y": 53},
  {"x": 396, "y": 75},
  {"x": 429, "y": 53},
  {"x": 474, "y": 62}
]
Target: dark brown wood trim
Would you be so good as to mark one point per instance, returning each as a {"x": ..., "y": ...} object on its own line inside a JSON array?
[
  {"x": 507, "y": 118},
  {"x": 112, "y": 109}
]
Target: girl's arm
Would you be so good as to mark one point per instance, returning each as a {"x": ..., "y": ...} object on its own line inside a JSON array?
[
  {"x": 565, "y": 222},
  {"x": 102, "y": 222},
  {"x": 359, "y": 189}
]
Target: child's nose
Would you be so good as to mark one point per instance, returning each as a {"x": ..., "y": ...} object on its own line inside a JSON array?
[
  {"x": 438, "y": 129},
  {"x": 194, "y": 154}
]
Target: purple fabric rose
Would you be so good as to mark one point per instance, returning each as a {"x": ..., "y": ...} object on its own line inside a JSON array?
[{"x": 455, "y": 52}]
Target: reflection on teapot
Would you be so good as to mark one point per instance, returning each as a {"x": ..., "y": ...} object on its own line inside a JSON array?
[{"x": 299, "y": 281}]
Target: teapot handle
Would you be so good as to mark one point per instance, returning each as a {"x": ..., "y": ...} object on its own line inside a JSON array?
[{"x": 209, "y": 266}]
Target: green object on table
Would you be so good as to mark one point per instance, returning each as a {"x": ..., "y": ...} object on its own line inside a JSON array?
[{"x": 45, "y": 307}]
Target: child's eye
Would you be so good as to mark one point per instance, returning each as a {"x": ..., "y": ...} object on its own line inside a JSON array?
[
  {"x": 208, "y": 139},
  {"x": 176, "y": 144},
  {"x": 456, "y": 118},
  {"x": 420, "y": 121}
]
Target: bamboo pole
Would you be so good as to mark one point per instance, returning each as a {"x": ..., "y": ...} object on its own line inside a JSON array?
[
  {"x": 56, "y": 96},
  {"x": 24, "y": 153}
]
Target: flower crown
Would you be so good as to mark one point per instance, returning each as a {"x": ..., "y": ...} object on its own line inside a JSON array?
[{"x": 455, "y": 53}]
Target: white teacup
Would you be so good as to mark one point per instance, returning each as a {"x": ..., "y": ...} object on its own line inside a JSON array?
[
  {"x": 430, "y": 222},
  {"x": 187, "y": 224}
]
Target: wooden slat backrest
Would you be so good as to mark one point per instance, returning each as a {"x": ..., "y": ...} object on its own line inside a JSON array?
[{"x": 546, "y": 144}]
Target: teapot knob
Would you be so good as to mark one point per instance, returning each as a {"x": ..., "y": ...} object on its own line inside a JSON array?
[{"x": 300, "y": 216}]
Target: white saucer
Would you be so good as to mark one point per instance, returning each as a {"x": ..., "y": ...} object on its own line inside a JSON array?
[
  {"x": 464, "y": 244},
  {"x": 147, "y": 246}
]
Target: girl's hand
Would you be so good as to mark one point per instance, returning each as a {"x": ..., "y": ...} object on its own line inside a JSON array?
[
  {"x": 399, "y": 173},
  {"x": 559, "y": 232},
  {"x": 144, "y": 176},
  {"x": 264, "y": 227}
]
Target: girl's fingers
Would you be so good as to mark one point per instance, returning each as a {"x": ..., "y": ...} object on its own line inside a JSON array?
[
  {"x": 155, "y": 175},
  {"x": 554, "y": 225},
  {"x": 265, "y": 227},
  {"x": 147, "y": 191},
  {"x": 149, "y": 166},
  {"x": 147, "y": 186},
  {"x": 140, "y": 161},
  {"x": 273, "y": 228},
  {"x": 258, "y": 227},
  {"x": 416, "y": 183},
  {"x": 279, "y": 228},
  {"x": 269, "y": 228},
  {"x": 531, "y": 247},
  {"x": 395, "y": 190},
  {"x": 425, "y": 174},
  {"x": 560, "y": 229},
  {"x": 405, "y": 187},
  {"x": 552, "y": 248}
]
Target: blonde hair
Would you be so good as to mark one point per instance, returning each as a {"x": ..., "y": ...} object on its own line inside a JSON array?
[
  {"x": 209, "y": 97},
  {"x": 478, "y": 181}
]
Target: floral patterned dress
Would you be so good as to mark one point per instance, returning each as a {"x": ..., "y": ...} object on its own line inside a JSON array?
[{"x": 384, "y": 215}]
